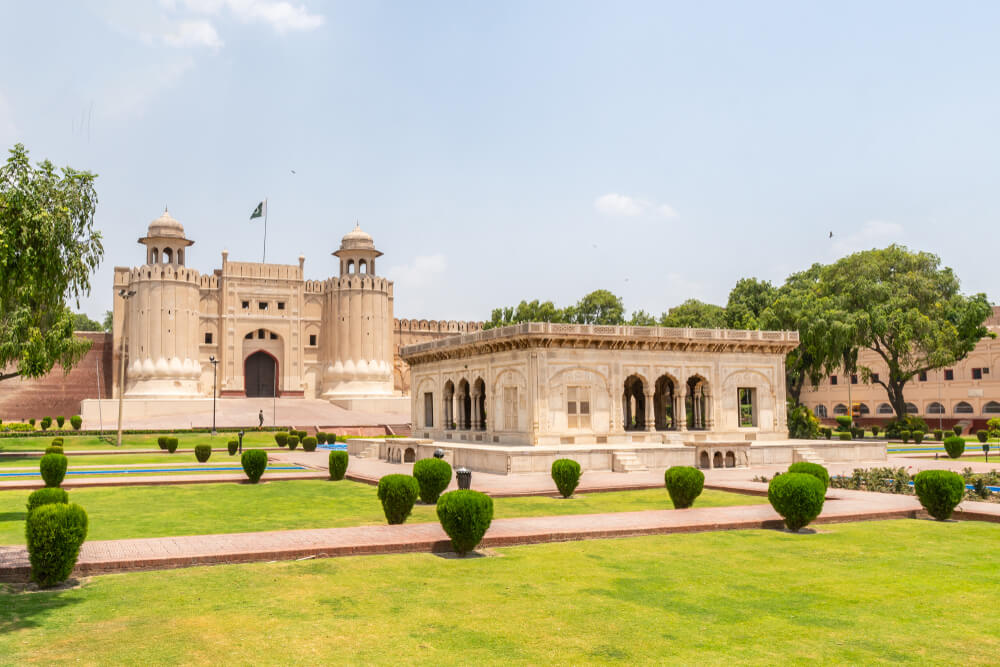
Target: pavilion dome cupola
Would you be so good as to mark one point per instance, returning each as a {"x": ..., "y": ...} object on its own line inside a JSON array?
[
  {"x": 357, "y": 253},
  {"x": 164, "y": 241}
]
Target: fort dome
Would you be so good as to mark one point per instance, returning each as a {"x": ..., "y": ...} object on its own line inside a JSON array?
[
  {"x": 165, "y": 227},
  {"x": 357, "y": 240}
]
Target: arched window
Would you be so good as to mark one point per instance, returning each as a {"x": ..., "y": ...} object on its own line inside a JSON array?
[
  {"x": 168, "y": 256},
  {"x": 911, "y": 409},
  {"x": 362, "y": 266},
  {"x": 155, "y": 258},
  {"x": 820, "y": 411},
  {"x": 963, "y": 408},
  {"x": 935, "y": 408},
  {"x": 840, "y": 409},
  {"x": 991, "y": 408},
  {"x": 350, "y": 266},
  {"x": 885, "y": 409},
  {"x": 863, "y": 410}
]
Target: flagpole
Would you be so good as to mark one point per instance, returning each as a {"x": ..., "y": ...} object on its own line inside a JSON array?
[{"x": 264, "y": 258}]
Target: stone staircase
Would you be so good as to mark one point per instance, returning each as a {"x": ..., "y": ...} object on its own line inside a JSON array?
[
  {"x": 626, "y": 462},
  {"x": 369, "y": 452},
  {"x": 806, "y": 454}
]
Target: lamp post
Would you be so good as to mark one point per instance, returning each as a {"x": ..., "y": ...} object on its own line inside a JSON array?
[
  {"x": 215, "y": 362},
  {"x": 125, "y": 295}
]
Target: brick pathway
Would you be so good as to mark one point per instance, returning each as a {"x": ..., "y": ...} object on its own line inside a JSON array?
[{"x": 169, "y": 552}]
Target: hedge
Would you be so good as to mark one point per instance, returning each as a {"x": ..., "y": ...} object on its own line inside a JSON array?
[
  {"x": 814, "y": 469},
  {"x": 60, "y": 420},
  {"x": 566, "y": 474},
  {"x": 232, "y": 446},
  {"x": 466, "y": 516},
  {"x": 982, "y": 435},
  {"x": 76, "y": 421},
  {"x": 162, "y": 442},
  {"x": 53, "y": 468},
  {"x": 293, "y": 441},
  {"x": 798, "y": 497},
  {"x": 957, "y": 429},
  {"x": 54, "y": 534},
  {"x": 54, "y": 449},
  {"x": 281, "y": 438},
  {"x": 939, "y": 491},
  {"x": 202, "y": 452},
  {"x": 844, "y": 435},
  {"x": 46, "y": 423},
  {"x": 309, "y": 443},
  {"x": 45, "y": 496},
  {"x": 827, "y": 432},
  {"x": 905, "y": 435},
  {"x": 875, "y": 430},
  {"x": 954, "y": 445},
  {"x": 918, "y": 437},
  {"x": 397, "y": 494},
  {"x": 171, "y": 444},
  {"x": 843, "y": 422},
  {"x": 321, "y": 437},
  {"x": 684, "y": 484},
  {"x": 338, "y": 465},
  {"x": 938, "y": 434},
  {"x": 433, "y": 476},
  {"x": 254, "y": 462}
]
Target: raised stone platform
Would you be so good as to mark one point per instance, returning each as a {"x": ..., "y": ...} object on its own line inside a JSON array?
[{"x": 721, "y": 453}]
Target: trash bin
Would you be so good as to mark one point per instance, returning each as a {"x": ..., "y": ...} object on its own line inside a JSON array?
[
  {"x": 464, "y": 476},
  {"x": 439, "y": 453}
]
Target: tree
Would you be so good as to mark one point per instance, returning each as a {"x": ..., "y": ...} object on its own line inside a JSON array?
[
  {"x": 826, "y": 332},
  {"x": 696, "y": 314},
  {"x": 533, "y": 311},
  {"x": 641, "y": 318},
  {"x": 83, "y": 323},
  {"x": 109, "y": 321},
  {"x": 908, "y": 310},
  {"x": 598, "y": 307},
  {"x": 747, "y": 300},
  {"x": 48, "y": 248}
]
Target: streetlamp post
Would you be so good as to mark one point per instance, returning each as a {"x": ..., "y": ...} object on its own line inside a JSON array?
[
  {"x": 125, "y": 295},
  {"x": 215, "y": 362}
]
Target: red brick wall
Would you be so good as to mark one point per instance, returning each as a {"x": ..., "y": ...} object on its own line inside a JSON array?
[{"x": 59, "y": 393}]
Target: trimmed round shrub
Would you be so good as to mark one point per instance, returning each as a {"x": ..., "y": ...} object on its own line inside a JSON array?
[
  {"x": 465, "y": 515},
  {"x": 309, "y": 443},
  {"x": 918, "y": 437},
  {"x": 843, "y": 422},
  {"x": 321, "y": 437},
  {"x": 814, "y": 469},
  {"x": 845, "y": 435},
  {"x": 232, "y": 446},
  {"x": 301, "y": 434},
  {"x": 397, "y": 494},
  {"x": 76, "y": 421},
  {"x": 875, "y": 430},
  {"x": 293, "y": 441},
  {"x": 46, "y": 423},
  {"x": 54, "y": 534},
  {"x": 45, "y": 496},
  {"x": 954, "y": 445},
  {"x": 433, "y": 476},
  {"x": 939, "y": 491},
  {"x": 32, "y": 421},
  {"x": 254, "y": 462},
  {"x": 957, "y": 429},
  {"x": 281, "y": 438},
  {"x": 53, "y": 449},
  {"x": 905, "y": 435},
  {"x": 797, "y": 497},
  {"x": 60, "y": 420},
  {"x": 684, "y": 484},
  {"x": 566, "y": 474},
  {"x": 338, "y": 465},
  {"x": 938, "y": 434},
  {"x": 53, "y": 468},
  {"x": 827, "y": 432},
  {"x": 171, "y": 444},
  {"x": 982, "y": 435},
  {"x": 162, "y": 442},
  {"x": 202, "y": 452},
  {"x": 57, "y": 442}
]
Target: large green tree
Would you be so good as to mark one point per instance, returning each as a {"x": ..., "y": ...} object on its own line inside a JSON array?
[
  {"x": 747, "y": 300},
  {"x": 908, "y": 310},
  {"x": 48, "y": 249},
  {"x": 826, "y": 331},
  {"x": 83, "y": 323},
  {"x": 526, "y": 311},
  {"x": 598, "y": 307},
  {"x": 696, "y": 314}
]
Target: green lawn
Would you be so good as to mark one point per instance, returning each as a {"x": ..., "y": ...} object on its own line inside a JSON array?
[
  {"x": 902, "y": 591},
  {"x": 112, "y": 460},
  {"x": 135, "y": 441},
  {"x": 154, "y": 511}
]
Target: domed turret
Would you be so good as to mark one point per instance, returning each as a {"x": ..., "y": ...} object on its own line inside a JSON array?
[
  {"x": 357, "y": 253},
  {"x": 165, "y": 241}
]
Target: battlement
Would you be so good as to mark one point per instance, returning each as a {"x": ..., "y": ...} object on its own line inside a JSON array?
[
  {"x": 157, "y": 272},
  {"x": 261, "y": 271},
  {"x": 359, "y": 281},
  {"x": 436, "y": 326}
]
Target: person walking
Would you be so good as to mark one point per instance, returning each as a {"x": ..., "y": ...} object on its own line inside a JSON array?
[{"x": 260, "y": 418}]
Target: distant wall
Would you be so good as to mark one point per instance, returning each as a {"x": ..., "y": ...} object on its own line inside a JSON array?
[
  {"x": 410, "y": 332},
  {"x": 59, "y": 393}
]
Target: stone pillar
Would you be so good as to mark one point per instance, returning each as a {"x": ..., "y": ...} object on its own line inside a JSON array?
[
  {"x": 709, "y": 416},
  {"x": 474, "y": 404},
  {"x": 682, "y": 412},
  {"x": 650, "y": 415}
]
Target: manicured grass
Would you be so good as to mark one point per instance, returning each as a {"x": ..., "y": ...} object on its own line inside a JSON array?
[
  {"x": 901, "y": 591},
  {"x": 134, "y": 441},
  {"x": 112, "y": 460},
  {"x": 158, "y": 511}
]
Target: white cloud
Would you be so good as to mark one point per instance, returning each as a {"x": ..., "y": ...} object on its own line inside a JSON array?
[
  {"x": 873, "y": 234},
  {"x": 193, "y": 33},
  {"x": 419, "y": 273},
  {"x": 281, "y": 15},
  {"x": 619, "y": 205}
]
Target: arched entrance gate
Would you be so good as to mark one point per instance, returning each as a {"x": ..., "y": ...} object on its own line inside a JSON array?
[{"x": 260, "y": 373}]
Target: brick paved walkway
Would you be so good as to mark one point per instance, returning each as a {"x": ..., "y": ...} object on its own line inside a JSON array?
[{"x": 169, "y": 552}]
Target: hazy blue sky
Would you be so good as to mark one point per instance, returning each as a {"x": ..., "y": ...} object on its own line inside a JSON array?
[{"x": 508, "y": 150}]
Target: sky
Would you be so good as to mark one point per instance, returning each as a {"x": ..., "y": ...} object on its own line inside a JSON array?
[{"x": 520, "y": 150}]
